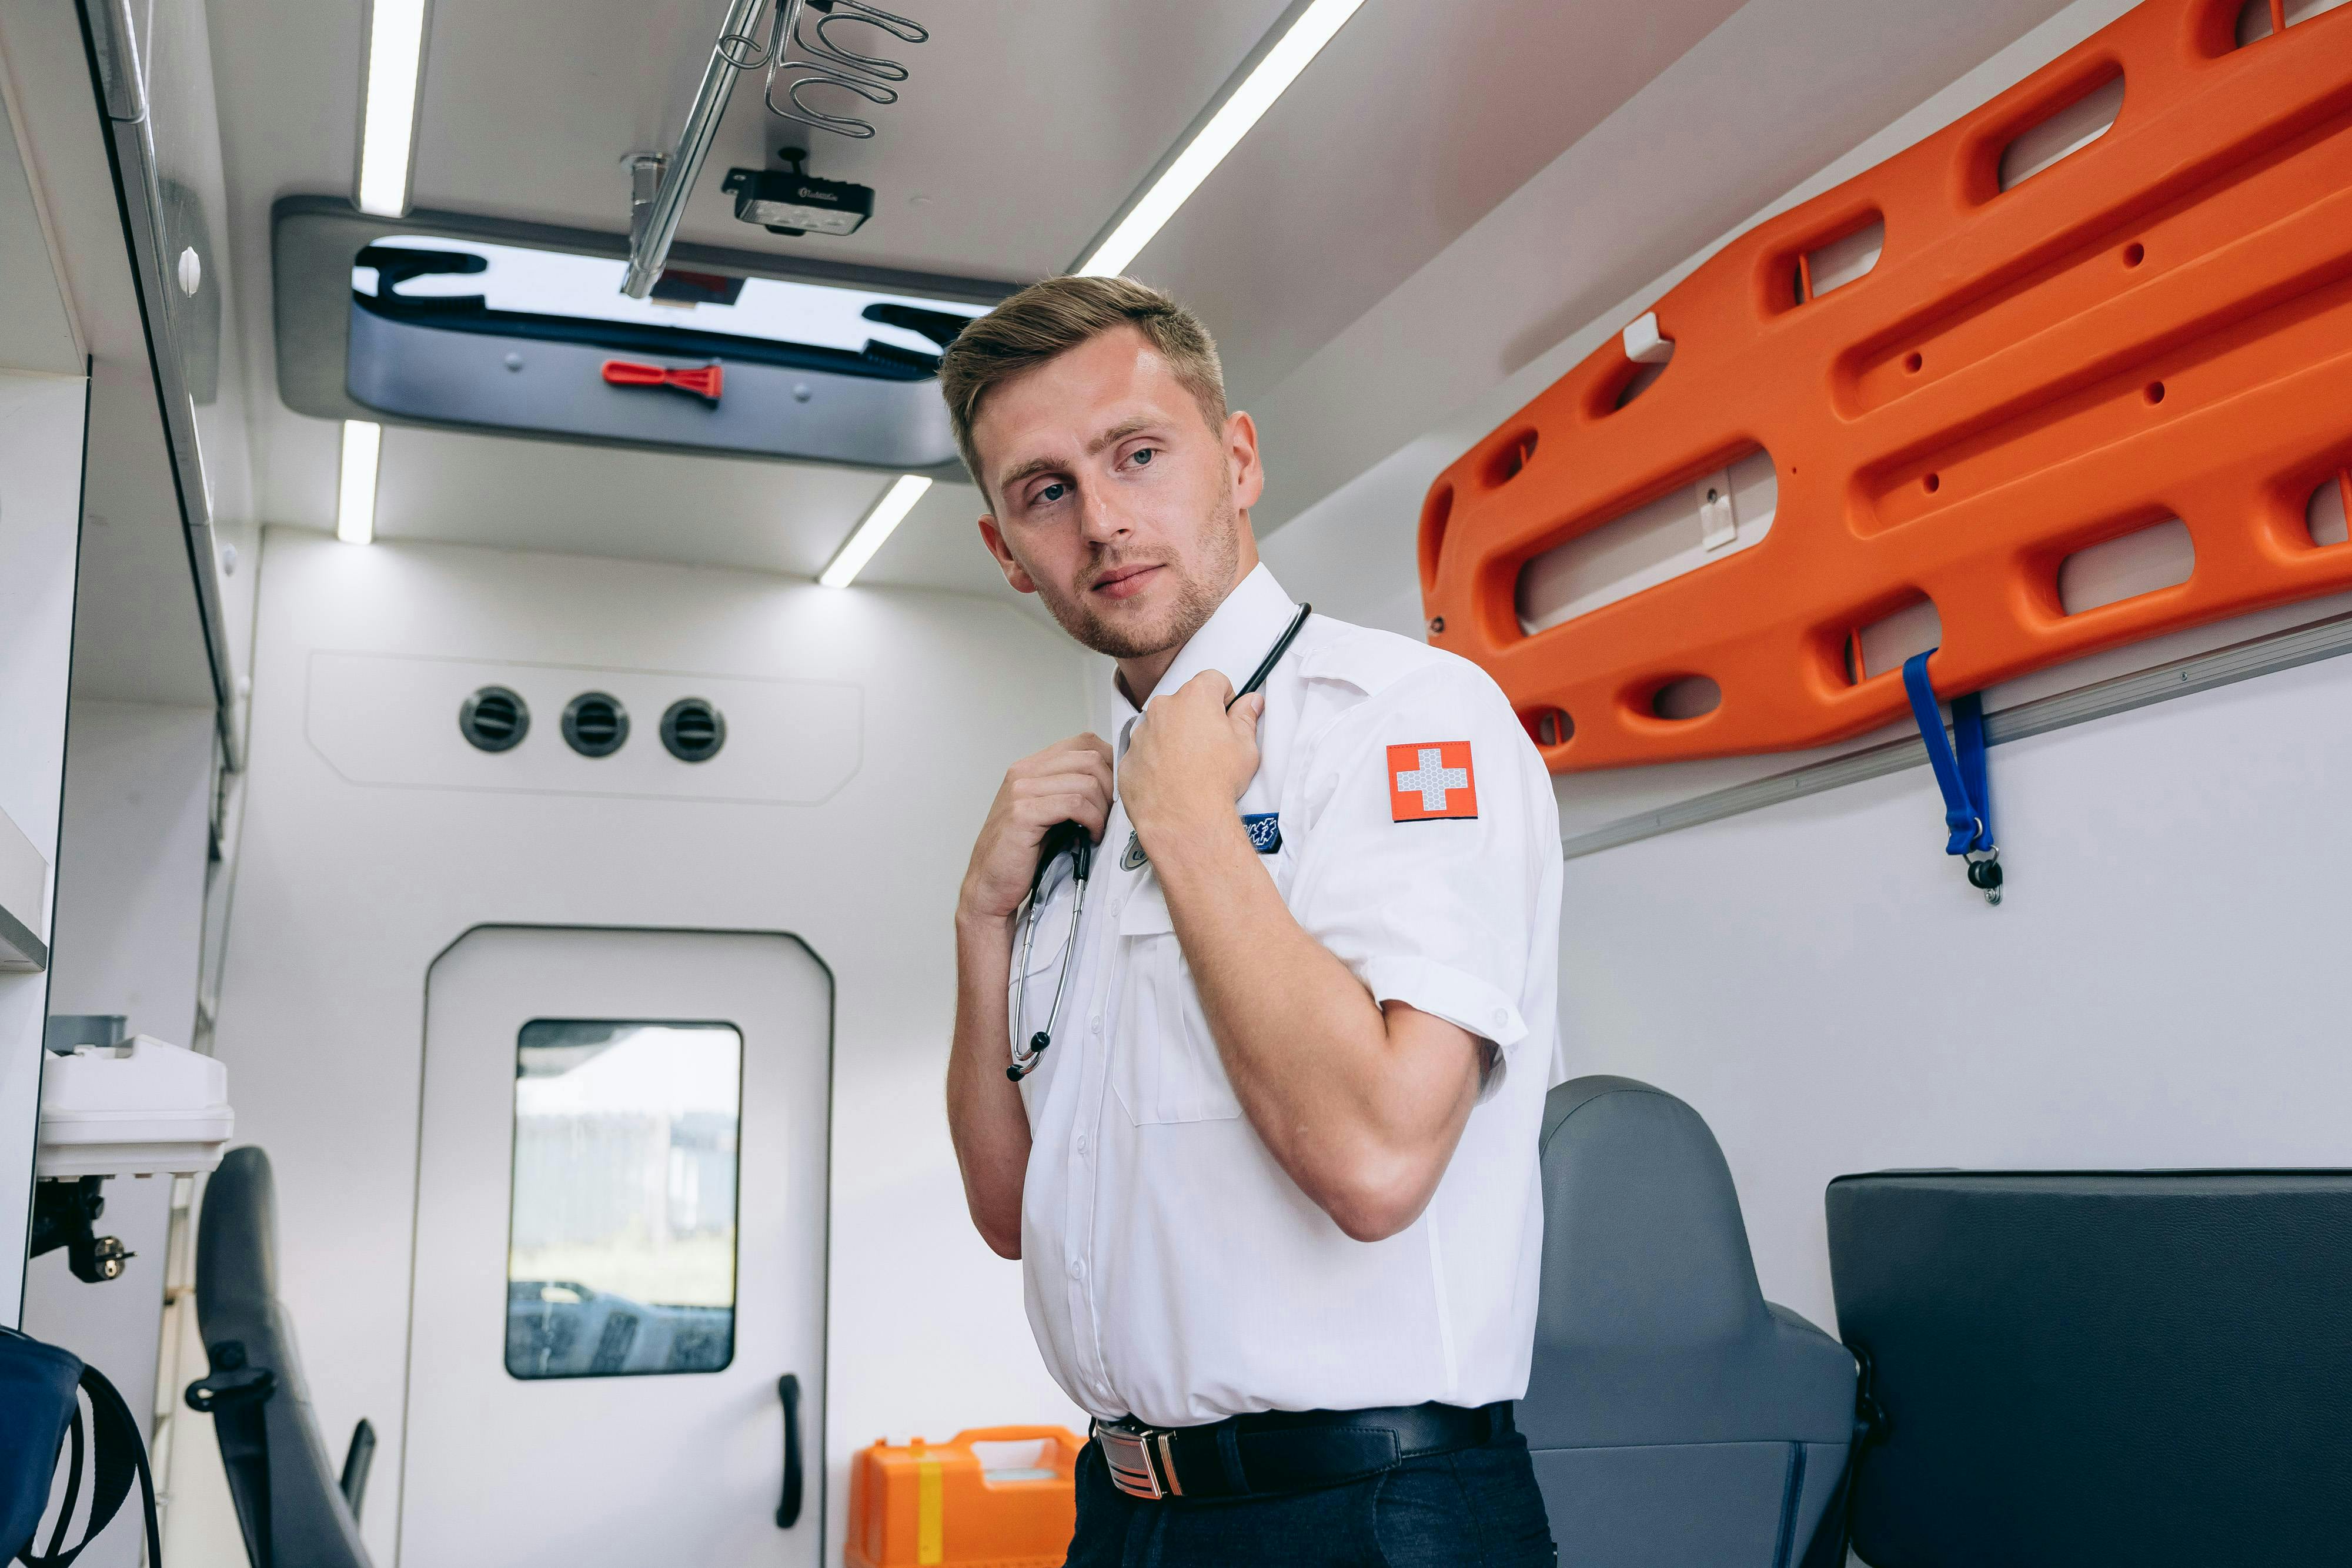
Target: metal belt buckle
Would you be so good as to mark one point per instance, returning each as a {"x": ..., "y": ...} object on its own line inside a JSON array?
[{"x": 1133, "y": 1466}]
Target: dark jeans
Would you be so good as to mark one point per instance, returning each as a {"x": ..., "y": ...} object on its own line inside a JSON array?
[{"x": 1476, "y": 1509}]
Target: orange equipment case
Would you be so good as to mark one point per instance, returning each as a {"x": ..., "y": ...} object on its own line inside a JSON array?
[
  {"x": 2158, "y": 326},
  {"x": 933, "y": 1502}
]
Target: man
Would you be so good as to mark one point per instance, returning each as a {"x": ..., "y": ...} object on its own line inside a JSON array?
[{"x": 1271, "y": 1167}]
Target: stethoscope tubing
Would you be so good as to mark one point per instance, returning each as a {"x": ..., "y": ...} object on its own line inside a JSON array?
[{"x": 1081, "y": 853}]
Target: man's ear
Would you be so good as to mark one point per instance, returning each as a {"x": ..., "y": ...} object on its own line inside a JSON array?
[
  {"x": 1014, "y": 573},
  {"x": 1242, "y": 459}
]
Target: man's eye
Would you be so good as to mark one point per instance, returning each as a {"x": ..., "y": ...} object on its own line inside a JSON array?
[
  {"x": 1141, "y": 456},
  {"x": 1051, "y": 494}
]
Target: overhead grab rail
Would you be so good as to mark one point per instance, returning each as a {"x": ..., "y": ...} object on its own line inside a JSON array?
[
  {"x": 806, "y": 56},
  {"x": 822, "y": 62}
]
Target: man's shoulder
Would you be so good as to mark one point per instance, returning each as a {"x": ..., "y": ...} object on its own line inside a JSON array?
[{"x": 1377, "y": 662}]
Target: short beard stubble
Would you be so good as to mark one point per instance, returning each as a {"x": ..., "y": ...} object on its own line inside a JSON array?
[{"x": 1196, "y": 598}]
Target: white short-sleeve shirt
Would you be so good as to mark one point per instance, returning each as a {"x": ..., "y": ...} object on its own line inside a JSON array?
[{"x": 1175, "y": 1273}]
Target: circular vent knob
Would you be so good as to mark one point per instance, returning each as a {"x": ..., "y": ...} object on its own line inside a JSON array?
[
  {"x": 595, "y": 724},
  {"x": 693, "y": 730},
  {"x": 494, "y": 719}
]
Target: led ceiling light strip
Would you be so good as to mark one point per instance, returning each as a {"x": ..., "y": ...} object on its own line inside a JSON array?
[
  {"x": 355, "y": 490},
  {"x": 1314, "y": 28},
  {"x": 396, "y": 59},
  {"x": 879, "y": 523}
]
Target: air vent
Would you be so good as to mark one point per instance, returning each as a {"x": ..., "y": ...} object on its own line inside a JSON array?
[
  {"x": 693, "y": 730},
  {"x": 494, "y": 719},
  {"x": 595, "y": 724}
]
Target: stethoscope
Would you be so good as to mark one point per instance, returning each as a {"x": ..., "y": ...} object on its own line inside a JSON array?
[{"x": 1073, "y": 840}]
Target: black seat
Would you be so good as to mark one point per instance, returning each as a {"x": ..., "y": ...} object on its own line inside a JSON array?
[
  {"x": 2147, "y": 1367},
  {"x": 294, "y": 1508},
  {"x": 1677, "y": 1418}
]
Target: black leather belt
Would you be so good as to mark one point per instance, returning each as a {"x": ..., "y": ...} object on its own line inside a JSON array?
[{"x": 1277, "y": 1451}]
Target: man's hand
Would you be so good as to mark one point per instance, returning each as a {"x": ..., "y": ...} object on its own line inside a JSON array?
[
  {"x": 1069, "y": 781},
  {"x": 1190, "y": 760}
]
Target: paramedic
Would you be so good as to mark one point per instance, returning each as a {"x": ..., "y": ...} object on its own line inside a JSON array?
[{"x": 1274, "y": 1182}]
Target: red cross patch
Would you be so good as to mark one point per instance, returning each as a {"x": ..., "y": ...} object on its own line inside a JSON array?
[{"x": 1430, "y": 780}]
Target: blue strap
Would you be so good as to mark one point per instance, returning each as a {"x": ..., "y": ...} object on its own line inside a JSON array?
[{"x": 1968, "y": 800}]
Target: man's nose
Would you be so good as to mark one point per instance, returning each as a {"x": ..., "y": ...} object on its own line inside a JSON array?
[{"x": 1099, "y": 521}]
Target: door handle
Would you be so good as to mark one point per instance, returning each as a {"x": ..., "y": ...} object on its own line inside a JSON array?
[{"x": 788, "y": 1512}]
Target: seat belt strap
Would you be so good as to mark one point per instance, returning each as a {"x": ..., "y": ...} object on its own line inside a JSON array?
[
  {"x": 117, "y": 1455},
  {"x": 1960, "y": 774}
]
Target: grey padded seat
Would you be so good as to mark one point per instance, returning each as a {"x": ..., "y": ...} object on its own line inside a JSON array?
[
  {"x": 311, "y": 1524},
  {"x": 1677, "y": 1418}
]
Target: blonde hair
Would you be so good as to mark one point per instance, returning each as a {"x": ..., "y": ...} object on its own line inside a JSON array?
[{"x": 1047, "y": 320}]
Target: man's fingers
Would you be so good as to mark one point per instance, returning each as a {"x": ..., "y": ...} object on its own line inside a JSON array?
[
  {"x": 1251, "y": 707},
  {"x": 1214, "y": 683},
  {"x": 1068, "y": 757},
  {"x": 1090, "y": 784},
  {"x": 1043, "y": 811}
]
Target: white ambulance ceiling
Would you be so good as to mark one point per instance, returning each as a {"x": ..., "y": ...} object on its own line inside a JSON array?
[{"x": 1022, "y": 129}]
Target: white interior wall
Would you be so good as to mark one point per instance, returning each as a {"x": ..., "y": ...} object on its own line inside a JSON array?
[
  {"x": 130, "y": 900},
  {"x": 344, "y": 892},
  {"x": 2160, "y": 985},
  {"x": 40, "y": 522},
  {"x": 131, "y": 866},
  {"x": 2157, "y": 987}
]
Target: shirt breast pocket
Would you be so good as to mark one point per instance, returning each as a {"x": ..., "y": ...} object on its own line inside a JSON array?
[{"x": 1164, "y": 1067}]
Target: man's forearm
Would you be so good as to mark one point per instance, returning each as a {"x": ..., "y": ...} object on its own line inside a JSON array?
[
  {"x": 1360, "y": 1108},
  {"x": 985, "y": 1116}
]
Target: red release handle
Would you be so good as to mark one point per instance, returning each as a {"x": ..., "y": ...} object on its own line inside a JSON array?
[{"x": 704, "y": 382}]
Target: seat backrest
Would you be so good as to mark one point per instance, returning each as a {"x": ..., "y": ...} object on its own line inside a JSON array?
[
  {"x": 2147, "y": 1367},
  {"x": 237, "y": 1305},
  {"x": 1674, "y": 1416}
]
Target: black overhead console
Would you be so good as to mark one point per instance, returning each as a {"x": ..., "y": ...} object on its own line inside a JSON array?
[{"x": 2069, "y": 1369}]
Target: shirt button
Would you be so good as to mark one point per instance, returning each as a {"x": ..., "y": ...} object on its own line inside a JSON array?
[
  {"x": 1083, "y": 1144},
  {"x": 1501, "y": 1017},
  {"x": 1077, "y": 1268},
  {"x": 1097, "y": 1025}
]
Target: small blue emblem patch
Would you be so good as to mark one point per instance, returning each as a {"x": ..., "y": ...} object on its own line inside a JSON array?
[{"x": 1265, "y": 830}]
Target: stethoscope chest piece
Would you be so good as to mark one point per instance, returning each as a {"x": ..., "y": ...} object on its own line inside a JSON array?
[{"x": 1073, "y": 840}]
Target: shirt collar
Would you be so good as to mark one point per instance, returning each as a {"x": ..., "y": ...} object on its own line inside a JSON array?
[{"x": 1232, "y": 641}]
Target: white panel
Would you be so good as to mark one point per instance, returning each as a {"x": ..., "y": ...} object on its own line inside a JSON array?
[
  {"x": 2325, "y": 513},
  {"x": 1687, "y": 699},
  {"x": 2069, "y": 131},
  {"x": 346, "y": 893},
  {"x": 131, "y": 887},
  {"x": 2161, "y": 555},
  {"x": 379, "y": 719},
  {"x": 36, "y": 332},
  {"x": 130, "y": 865},
  {"x": 1652, "y": 544},
  {"x": 1863, "y": 1008},
  {"x": 2303, "y": 10},
  {"x": 40, "y": 505},
  {"x": 1646, "y": 377},
  {"x": 2254, "y": 21},
  {"x": 1883, "y": 646},
  {"x": 24, "y": 882},
  {"x": 503, "y": 1472},
  {"x": 1841, "y": 261}
]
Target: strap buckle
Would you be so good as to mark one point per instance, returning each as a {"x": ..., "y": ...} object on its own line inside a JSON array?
[{"x": 1141, "y": 1460}]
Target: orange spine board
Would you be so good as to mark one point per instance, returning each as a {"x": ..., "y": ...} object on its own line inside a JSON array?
[{"x": 2158, "y": 326}]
